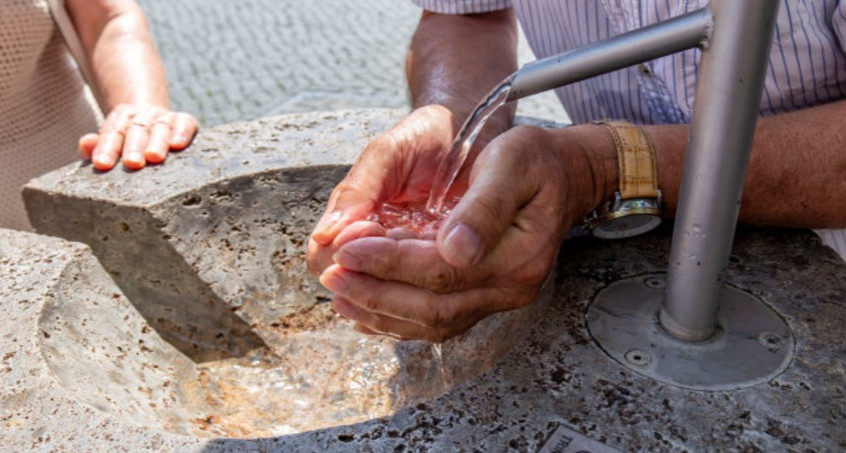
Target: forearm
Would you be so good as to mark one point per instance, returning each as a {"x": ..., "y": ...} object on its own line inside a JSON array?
[
  {"x": 124, "y": 62},
  {"x": 456, "y": 60},
  {"x": 796, "y": 175}
]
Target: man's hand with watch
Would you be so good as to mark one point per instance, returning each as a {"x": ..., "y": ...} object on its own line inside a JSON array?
[
  {"x": 636, "y": 206},
  {"x": 526, "y": 188}
]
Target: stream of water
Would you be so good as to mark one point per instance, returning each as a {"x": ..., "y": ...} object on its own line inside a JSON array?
[{"x": 423, "y": 220}]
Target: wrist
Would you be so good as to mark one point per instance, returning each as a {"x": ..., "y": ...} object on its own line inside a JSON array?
[{"x": 598, "y": 177}]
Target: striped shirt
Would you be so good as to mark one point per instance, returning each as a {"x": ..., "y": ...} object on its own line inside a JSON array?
[{"x": 807, "y": 65}]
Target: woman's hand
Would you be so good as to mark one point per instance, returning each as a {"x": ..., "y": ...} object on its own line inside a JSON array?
[{"x": 137, "y": 136}]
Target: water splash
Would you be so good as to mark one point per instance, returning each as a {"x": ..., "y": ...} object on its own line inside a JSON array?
[
  {"x": 454, "y": 160},
  {"x": 424, "y": 220},
  {"x": 444, "y": 371},
  {"x": 412, "y": 218}
]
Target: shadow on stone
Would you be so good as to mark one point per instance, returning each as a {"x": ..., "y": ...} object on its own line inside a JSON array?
[{"x": 162, "y": 286}]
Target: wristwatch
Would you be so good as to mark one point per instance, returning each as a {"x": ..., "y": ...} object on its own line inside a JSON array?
[{"x": 636, "y": 206}]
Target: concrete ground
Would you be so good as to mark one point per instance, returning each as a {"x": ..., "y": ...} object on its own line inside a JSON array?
[{"x": 236, "y": 61}]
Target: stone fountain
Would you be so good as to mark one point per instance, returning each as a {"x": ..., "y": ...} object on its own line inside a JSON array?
[{"x": 170, "y": 310}]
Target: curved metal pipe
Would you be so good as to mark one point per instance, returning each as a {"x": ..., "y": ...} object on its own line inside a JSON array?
[{"x": 637, "y": 46}]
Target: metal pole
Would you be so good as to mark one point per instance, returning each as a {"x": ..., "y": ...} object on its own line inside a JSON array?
[
  {"x": 728, "y": 92},
  {"x": 644, "y": 44}
]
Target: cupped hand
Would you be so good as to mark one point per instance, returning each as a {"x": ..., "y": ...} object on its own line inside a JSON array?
[
  {"x": 526, "y": 189},
  {"x": 137, "y": 136},
  {"x": 397, "y": 166}
]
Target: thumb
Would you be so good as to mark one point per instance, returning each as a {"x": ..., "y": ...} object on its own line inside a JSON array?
[{"x": 486, "y": 211}]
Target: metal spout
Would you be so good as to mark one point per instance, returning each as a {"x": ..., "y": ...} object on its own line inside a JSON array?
[{"x": 637, "y": 46}]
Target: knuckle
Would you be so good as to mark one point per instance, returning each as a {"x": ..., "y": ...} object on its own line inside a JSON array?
[
  {"x": 389, "y": 142},
  {"x": 443, "y": 280},
  {"x": 488, "y": 212}
]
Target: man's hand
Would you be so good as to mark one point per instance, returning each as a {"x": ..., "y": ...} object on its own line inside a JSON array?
[
  {"x": 396, "y": 166},
  {"x": 137, "y": 136},
  {"x": 526, "y": 190}
]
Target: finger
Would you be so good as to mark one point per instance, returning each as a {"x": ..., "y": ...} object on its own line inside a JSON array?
[
  {"x": 87, "y": 143},
  {"x": 319, "y": 257},
  {"x": 413, "y": 261},
  {"x": 374, "y": 324},
  {"x": 351, "y": 205},
  {"x": 490, "y": 205},
  {"x": 105, "y": 154},
  {"x": 357, "y": 230},
  {"x": 183, "y": 129},
  {"x": 400, "y": 233},
  {"x": 157, "y": 141},
  {"x": 393, "y": 301},
  {"x": 137, "y": 138}
]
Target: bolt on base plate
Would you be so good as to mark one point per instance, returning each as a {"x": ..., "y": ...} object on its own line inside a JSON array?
[{"x": 752, "y": 344}]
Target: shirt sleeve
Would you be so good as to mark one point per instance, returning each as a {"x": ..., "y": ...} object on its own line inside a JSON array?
[{"x": 463, "y": 6}]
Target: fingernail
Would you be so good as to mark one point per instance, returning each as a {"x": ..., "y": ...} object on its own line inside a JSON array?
[
  {"x": 179, "y": 139},
  {"x": 334, "y": 283},
  {"x": 154, "y": 156},
  {"x": 463, "y": 244},
  {"x": 103, "y": 162},
  {"x": 348, "y": 260},
  {"x": 135, "y": 158}
]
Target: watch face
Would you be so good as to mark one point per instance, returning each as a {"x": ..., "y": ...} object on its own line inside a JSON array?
[{"x": 626, "y": 226}]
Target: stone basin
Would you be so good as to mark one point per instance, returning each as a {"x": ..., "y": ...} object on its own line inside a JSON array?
[
  {"x": 168, "y": 322},
  {"x": 213, "y": 326}
]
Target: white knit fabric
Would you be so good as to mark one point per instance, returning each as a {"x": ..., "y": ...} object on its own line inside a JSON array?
[{"x": 44, "y": 105}]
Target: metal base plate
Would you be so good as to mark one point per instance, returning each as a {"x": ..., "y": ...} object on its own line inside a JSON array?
[{"x": 752, "y": 345}]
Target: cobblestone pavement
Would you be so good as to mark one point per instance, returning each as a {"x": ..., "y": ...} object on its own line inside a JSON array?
[{"x": 240, "y": 60}]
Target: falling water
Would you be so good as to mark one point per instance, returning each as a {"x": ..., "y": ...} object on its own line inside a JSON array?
[
  {"x": 444, "y": 371},
  {"x": 425, "y": 219},
  {"x": 454, "y": 160}
]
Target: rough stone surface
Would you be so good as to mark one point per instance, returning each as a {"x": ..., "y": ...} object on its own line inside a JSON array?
[
  {"x": 53, "y": 405},
  {"x": 81, "y": 361}
]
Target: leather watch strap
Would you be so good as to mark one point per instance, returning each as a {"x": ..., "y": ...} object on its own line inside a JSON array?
[{"x": 636, "y": 160}]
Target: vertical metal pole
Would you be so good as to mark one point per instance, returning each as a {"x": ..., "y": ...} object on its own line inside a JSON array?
[{"x": 728, "y": 92}]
